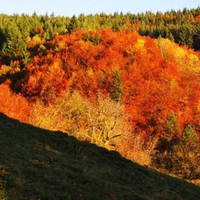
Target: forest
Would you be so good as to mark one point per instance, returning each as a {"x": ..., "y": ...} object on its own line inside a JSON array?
[{"x": 126, "y": 82}]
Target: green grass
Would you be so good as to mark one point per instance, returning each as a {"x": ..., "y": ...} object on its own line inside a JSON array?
[{"x": 38, "y": 164}]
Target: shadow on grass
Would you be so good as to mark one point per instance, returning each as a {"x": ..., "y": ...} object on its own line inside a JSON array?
[{"x": 38, "y": 164}]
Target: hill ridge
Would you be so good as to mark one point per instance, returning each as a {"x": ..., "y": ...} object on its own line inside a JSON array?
[{"x": 41, "y": 164}]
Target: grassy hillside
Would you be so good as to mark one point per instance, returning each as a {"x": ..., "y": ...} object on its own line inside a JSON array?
[{"x": 40, "y": 164}]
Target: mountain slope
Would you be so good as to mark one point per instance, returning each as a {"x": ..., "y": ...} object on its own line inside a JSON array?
[{"x": 40, "y": 164}]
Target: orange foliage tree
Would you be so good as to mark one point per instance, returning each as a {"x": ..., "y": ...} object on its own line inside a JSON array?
[{"x": 13, "y": 105}]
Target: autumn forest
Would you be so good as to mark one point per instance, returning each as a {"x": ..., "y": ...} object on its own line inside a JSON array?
[{"x": 126, "y": 82}]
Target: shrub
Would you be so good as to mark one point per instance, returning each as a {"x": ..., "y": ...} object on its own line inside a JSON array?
[
  {"x": 186, "y": 160},
  {"x": 13, "y": 105},
  {"x": 183, "y": 157},
  {"x": 102, "y": 121},
  {"x": 139, "y": 148}
]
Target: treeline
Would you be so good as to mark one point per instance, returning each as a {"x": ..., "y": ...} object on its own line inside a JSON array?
[{"x": 183, "y": 27}]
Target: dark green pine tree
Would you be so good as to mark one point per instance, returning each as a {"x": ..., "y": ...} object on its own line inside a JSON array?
[
  {"x": 164, "y": 157},
  {"x": 14, "y": 45},
  {"x": 196, "y": 37},
  {"x": 185, "y": 34},
  {"x": 169, "y": 137},
  {"x": 73, "y": 24},
  {"x": 116, "y": 87}
]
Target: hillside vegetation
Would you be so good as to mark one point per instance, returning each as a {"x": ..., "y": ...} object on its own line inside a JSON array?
[
  {"x": 114, "y": 88},
  {"x": 41, "y": 164}
]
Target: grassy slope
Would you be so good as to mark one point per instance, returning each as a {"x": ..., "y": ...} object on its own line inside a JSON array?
[{"x": 40, "y": 164}]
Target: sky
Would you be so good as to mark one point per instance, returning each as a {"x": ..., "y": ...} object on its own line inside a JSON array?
[{"x": 77, "y": 7}]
